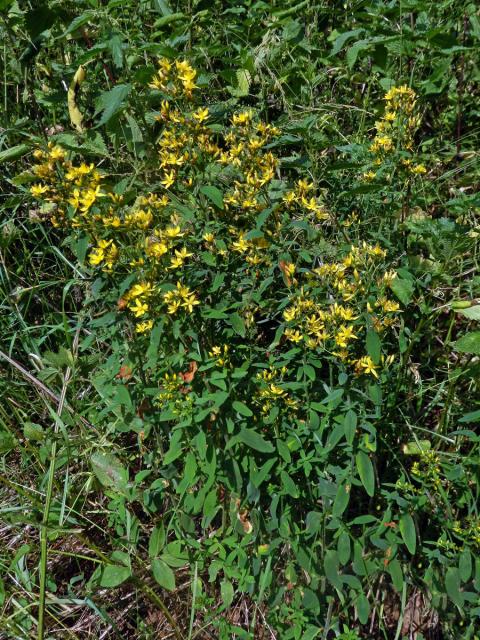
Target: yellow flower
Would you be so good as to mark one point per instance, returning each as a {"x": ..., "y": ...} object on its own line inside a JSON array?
[
  {"x": 366, "y": 365},
  {"x": 419, "y": 169},
  {"x": 173, "y": 232},
  {"x": 169, "y": 179},
  {"x": 138, "y": 308},
  {"x": 201, "y": 115},
  {"x": 344, "y": 335},
  {"x": 37, "y": 190},
  {"x": 142, "y": 327},
  {"x": 156, "y": 249},
  {"x": 293, "y": 336}
]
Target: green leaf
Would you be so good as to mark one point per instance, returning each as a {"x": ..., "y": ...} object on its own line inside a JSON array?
[
  {"x": 109, "y": 471},
  {"x": 163, "y": 574},
  {"x": 363, "y": 608},
  {"x": 415, "y": 447},
  {"x": 331, "y": 566},
  {"x": 242, "y": 408},
  {"x": 110, "y": 102},
  {"x": 227, "y": 592},
  {"x": 469, "y": 343},
  {"x": 365, "y": 471},
  {"x": 473, "y": 313},
  {"x": 452, "y": 586},
  {"x": 255, "y": 441},
  {"x": 374, "y": 346},
  {"x": 350, "y": 426},
  {"x": 214, "y": 195},
  {"x": 238, "y": 324},
  {"x": 344, "y": 548},
  {"x": 289, "y": 485},
  {"x": 113, "y": 575},
  {"x": 408, "y": 533},
  {"x": 156, "y": 541},
  {"x": 396, "y": 573},
  {"x": 403, "y": 289},
  {"x": 33, "y": 431},
  {"x": 465, "y": 565},
  {"x": 7, "y": 442},
  {"x": 341, "y": 499},
  {"x": 14, "y": 152}
]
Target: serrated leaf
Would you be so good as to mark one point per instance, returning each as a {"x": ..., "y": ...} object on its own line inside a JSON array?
[
  {"x": 163, "y": 574},
  {"x": 469, "y": 343},
  {"x": 408, "y": 533},
  {"x": 365, "y": 471},
  {"x": 110, "y": 102}
]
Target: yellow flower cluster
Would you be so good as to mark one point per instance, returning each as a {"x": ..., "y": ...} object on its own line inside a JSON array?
[
  {"x": 175, "y": 78},
  {"x": 181, "y": 297},
  {"x": 270, "y": 393},
  {"x": 302, "y": 197},
  {"x": 396, "y": 130},
  {"x": 332, "y": 328}
]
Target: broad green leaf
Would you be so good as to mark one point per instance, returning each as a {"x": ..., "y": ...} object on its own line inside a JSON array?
[
  {"x": 408, "y": 533},
  {"x": 465, "y": 565},
  {"x": 469, "y": 343},
  {"x": 238, "y": 324},
  {"x": 242, "y": 409},
  {"x": 331, "y": 566},
  {"x": 350, "y": 426},
  {"x": 163, "y": 574},
  {"x": 366, "y": 472},
  {"x": 255, "y": 441},
  {"x": 110, "y": 102},
  {"x": 374, "y": 346},
  {"x": 214, "y": 195},
  {"x": 109, "y": 471},
  {"x": 415, "y": 447},
  {"x": 452, "y": 586},
  {"x": 289, "y": 485},
  {"x": 403, "y": 289},
  {"x": 341, "y": 499},
  {"x": 396, "y": 573},
  {"x": 156, "y": 541},
  {"x": 227, "y": 592},
  {"x": 472, "y": 313},
  {"x": 363, "y": 608},
  {"x": 113, "y": 575},
  {"x": 344, "y": 548},
  {"x": 12, "y": 153}
]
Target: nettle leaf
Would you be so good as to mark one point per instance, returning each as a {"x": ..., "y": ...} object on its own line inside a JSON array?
[
  {"x": 111, "y": 102},
  {"x": 365, "y": 471},
  {"x": 469, "y": 343},
  {"x": 214, "y": 195},
  {"x": 408, "y": 533},
  {"x": 163, "y": 574}
]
